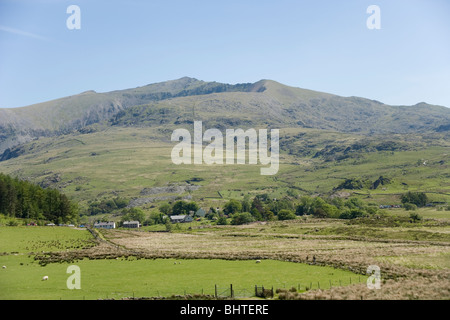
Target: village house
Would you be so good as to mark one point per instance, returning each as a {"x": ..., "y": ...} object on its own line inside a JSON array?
[
  {"x": 131, "y": 224},
  {"x": 180, "y": 219},
  {"x": 105, "y": 225}
]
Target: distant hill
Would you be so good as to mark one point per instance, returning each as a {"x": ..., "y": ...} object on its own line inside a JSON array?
[{"x": 174, "y": 103}]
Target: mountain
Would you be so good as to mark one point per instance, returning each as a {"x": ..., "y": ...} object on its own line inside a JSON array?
[{"x": 177, "y": 102}]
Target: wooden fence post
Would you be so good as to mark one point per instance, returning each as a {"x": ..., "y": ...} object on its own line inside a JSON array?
[{"x": 215, "y": 290}]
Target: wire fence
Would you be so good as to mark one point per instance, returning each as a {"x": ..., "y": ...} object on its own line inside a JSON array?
[{"x": 235, "y": 291}]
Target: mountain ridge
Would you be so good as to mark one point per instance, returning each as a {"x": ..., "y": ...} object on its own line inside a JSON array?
[{"x": 263, "y": 103}]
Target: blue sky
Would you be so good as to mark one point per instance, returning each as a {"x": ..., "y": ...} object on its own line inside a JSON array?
[{"x": 319, "y": 45}]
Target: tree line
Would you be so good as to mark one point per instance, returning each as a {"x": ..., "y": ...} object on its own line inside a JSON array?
[
  {"x": 265, "y": 208},
  {"x": 22, "y": 199}
]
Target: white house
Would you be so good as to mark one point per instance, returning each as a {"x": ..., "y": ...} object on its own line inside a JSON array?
[
  {"x": 105, "y": 225},
  {"x": 131, "y": 224}
]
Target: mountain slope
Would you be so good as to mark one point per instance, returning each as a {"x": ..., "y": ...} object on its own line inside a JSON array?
[{"x": 177, "y": 102}]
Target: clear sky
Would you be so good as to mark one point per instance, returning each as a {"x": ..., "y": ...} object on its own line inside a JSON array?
[{"x": 318, "y": 45}]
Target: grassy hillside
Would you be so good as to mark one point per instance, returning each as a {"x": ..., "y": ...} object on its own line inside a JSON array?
[
  {"x": 264, "y": 103},
  {"x": 96, "y": 146},
  {"x": 129, "y": 161}
]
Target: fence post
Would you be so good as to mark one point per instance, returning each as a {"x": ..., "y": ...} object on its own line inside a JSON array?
[
  {"x": 256, "y": 290},
  {"x": 215, "y": 290},
  {"x": 231, "y": 290}
]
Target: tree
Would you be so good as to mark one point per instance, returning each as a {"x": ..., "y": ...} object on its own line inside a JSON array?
[
  {"x": 241, "y": 218},
  {"x": 134, "y": 214},
  {"x": 258, "y": 205},
  {"x": 281, "y": 204},
  {"x": 352, "y": 214},
  {"x": 169, "y": 226},
  {"x": 256, "y": 214},
  {"x": 420, "y": 199},
  {"x": 165, "y": 208},
  {"x": 192, "y": 206},
  {"x": 246, "y": 205},
  {"x": 232, "y": 206},
  {"x": 268, "y": 215},
  {"x": 305, "y": 206},
  {"x": 179, "y": 207},
  {"x": 285, "y": 214},
  {"x": 354, "y": 203}
]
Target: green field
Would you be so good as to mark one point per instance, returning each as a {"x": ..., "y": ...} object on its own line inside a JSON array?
[
  {"x": 101, "y": 279},
  {"x": 127, "y": 277},
  {"x": 24, "y": 240}
]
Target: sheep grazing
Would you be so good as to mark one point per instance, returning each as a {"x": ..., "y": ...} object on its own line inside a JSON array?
[
  {"x": 4, "y": 267},
  {"x": 45, "y": 278},
  {"x": 258, "y": 261}
]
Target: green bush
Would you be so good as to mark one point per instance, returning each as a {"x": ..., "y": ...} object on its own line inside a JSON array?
[
  {"x": 241, "y": 218},
  {"x": 232, "y": 206},
  {"x": 286, "y": 215},
  {"x": 352, "y": 214},
  {"x": 409, "y": 206},
  {"x": 414, "y": 216},
  {"x": 222, "y": 221},
  {"x": 420, "y": 199}
]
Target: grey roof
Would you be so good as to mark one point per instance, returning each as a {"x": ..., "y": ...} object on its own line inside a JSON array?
[{"x": 179, "y": 217}]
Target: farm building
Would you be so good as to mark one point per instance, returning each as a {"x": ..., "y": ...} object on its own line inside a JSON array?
[
  {"x": 131, "y": 224},
  {"x": 180, "y": 218},
  {"x": 105, "y": 225}
]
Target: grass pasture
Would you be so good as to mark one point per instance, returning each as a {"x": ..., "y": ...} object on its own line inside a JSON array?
[
  {"x": 307, "y": 252},
  {"x": 24, "y": 240},
  {"x": 103, "y": 279},
  {"x": 128, "y": 276}
]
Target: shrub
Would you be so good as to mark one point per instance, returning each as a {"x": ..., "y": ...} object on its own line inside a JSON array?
[
  {"x": 420, "y": 199},
  {"x": 352, "y": 214},
  {"x": 222, "y": 221},
  {"x": 232, "y": 206},
  {"x": 241, "y": 218},
  {"x": 414, "y": 216},
  {"x": 409, "y": 206},
  {"x": 286, "y": 215}
]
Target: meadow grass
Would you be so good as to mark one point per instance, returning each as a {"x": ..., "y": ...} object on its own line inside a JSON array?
[
  {"x": 102, "y": 279},
  {"x": 26, "y": 239}
]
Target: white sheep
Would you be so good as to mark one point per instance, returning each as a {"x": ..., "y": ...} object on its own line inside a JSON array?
[
  {"x": 4, "y": 267},
  {"x": 258, "y": 261},
  {"x": 45, "y": 278}
]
